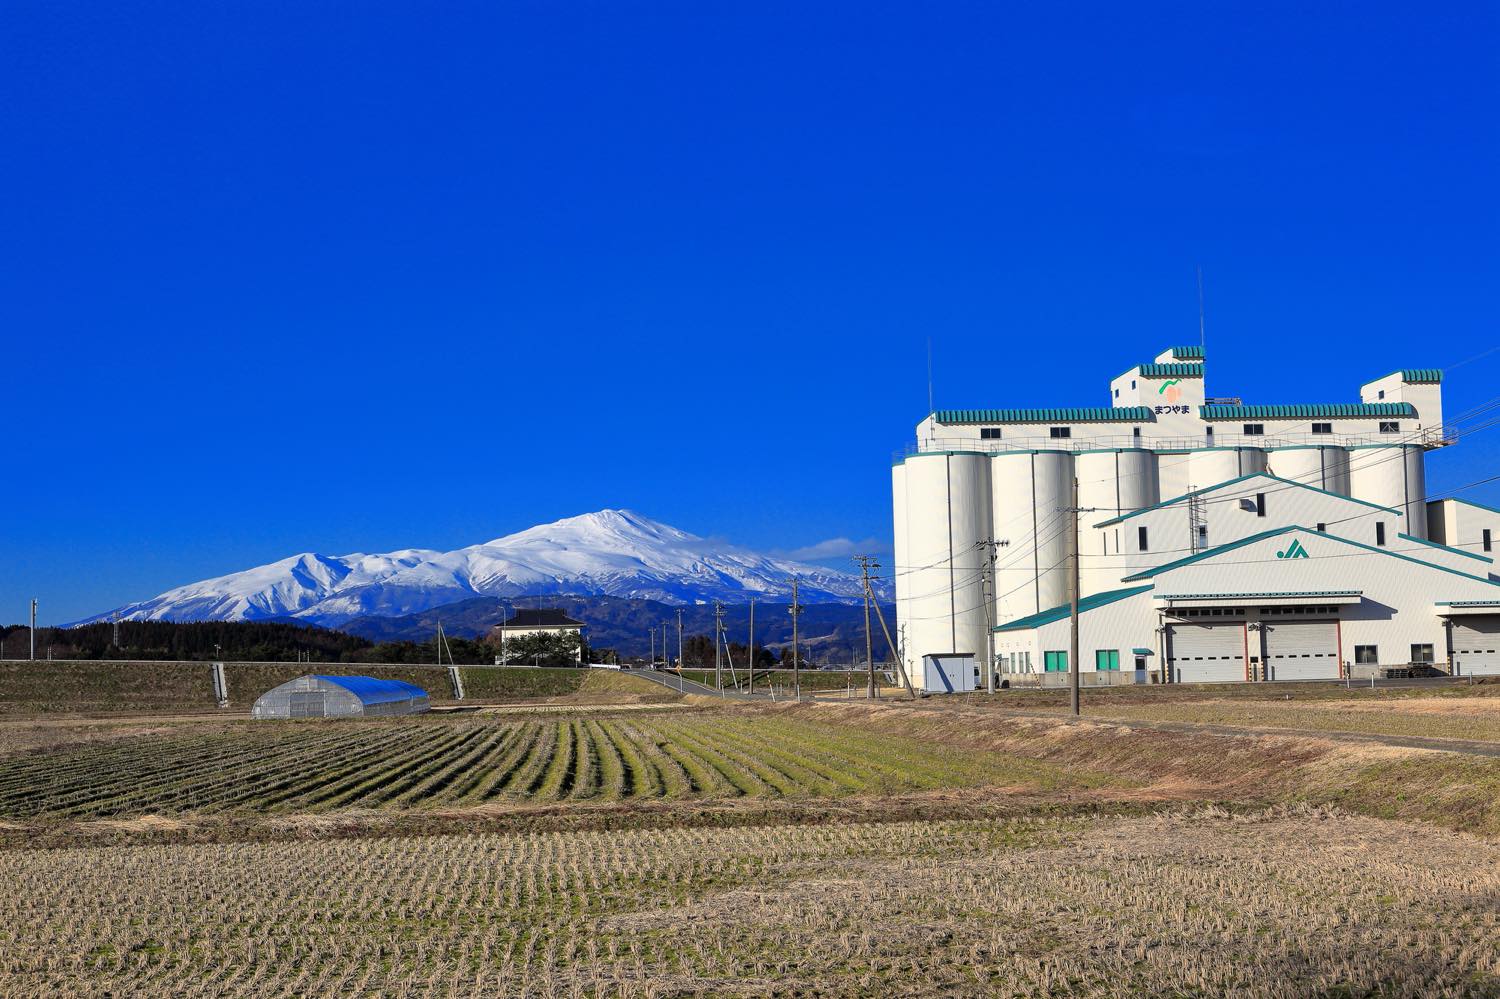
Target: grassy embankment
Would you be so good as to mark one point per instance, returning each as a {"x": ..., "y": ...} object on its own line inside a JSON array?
[{"x": 28, "y": 688}]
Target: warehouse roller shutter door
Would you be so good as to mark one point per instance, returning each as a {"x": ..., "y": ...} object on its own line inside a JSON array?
[
  {"x": 1476, "y": 645},
  {"x": 1206, "y": 653},
  {"x": 1302, "y": 650}
]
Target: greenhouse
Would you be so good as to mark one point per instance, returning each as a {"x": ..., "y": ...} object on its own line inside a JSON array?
[{"x": 317, "y": 696}]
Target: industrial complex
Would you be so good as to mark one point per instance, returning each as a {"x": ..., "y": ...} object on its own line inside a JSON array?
[{"x": 1217, "y": 541}]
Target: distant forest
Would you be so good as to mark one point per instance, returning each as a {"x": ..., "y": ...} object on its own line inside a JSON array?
[{"x": 247, "y": 641}]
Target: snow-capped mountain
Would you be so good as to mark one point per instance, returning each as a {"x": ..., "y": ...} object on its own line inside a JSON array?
[{"x": 611, "y": 552}]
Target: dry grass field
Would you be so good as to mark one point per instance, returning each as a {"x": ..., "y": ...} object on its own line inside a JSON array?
[
  {"x": 1458, "y": 712},
  {"x": 1285, "y": 902},
  {"x": 616, "y": 844}
]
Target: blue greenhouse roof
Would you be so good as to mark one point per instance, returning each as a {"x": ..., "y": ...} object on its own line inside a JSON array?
[
  {"x": 1308, "y": 411},
  {"x": 372, "y": 691},
  {"x": 1059, "y": 414}
]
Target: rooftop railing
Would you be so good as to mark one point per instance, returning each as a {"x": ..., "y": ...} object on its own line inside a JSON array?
[{"x": 1436, "y": 437}]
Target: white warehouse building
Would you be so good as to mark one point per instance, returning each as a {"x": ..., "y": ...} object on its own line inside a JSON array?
[{"x": 1217, "y": 540}]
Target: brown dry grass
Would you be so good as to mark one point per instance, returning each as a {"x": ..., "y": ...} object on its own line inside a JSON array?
[{"x": 1282, "y": 902}]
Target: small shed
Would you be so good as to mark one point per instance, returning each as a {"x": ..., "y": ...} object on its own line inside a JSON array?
[{"x": 318, "y": 696}]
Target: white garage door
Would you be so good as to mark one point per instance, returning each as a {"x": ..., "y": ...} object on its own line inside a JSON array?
[
  {"x": 1302, "y": 650},
  {"x": 1206, "y": 653},
  {"x": 1476, "y": 644}
]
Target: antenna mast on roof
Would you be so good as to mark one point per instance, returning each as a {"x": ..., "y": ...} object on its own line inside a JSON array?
[
  {"x": 929, "y": 376},
  {"x": 1200, "y": 307}
]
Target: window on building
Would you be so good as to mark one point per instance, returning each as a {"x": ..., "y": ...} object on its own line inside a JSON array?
[
  {"x": 1140, "y": 662},
  {"x": 1117, "y": 393},
  {"x": 1390, "y": 427},
  {"x": 1322, "y": 428},
  {"x": 1135, "y": 432},
  {"x": 1107, "y": 659},
  {"x": 989, "y": 433},
  {"x": 1023, "y": 662},
  {"x": 1254, "y": 429},
  {"x": 1260, "y": 504},
  {"x": 1210, "y": 435},
  {"x": 1055, "y": 662},
  {"x": 1421, "y": 653},
  {"x": 1484, "y": 539},
  {"x": 1202, "y": 532},
  {"x": 1380, "y": 535},
  {"x": 1366, "y": 655},
  {"x": 1057, "y": 433},
  {"x": 1132, "y": 383},
  {"x": 1140, "y": 538},
  {"x": 1380, "y": 394},
  {"x": 1322, "y": 528}
]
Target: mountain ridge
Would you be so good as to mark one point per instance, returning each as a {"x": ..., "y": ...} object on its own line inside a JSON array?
[{"x": 604, "y": 553}]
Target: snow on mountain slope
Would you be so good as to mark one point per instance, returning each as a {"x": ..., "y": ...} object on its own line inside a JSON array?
[{"x": 611, "y": 552}]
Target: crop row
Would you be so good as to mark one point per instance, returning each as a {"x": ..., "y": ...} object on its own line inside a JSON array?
[
  {"x": 322, "y": 767},
  {"x": 1282, "y": 903}
]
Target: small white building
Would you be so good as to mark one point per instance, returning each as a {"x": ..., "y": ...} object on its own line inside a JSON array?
[{"x": 536, "y": 621}]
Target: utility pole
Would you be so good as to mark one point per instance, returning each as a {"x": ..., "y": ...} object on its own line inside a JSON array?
[
  {"x": 718, "y": 629},
  {"x": 679, "y": 643},
  {"x": 751, "y": 667},
  {"x": 796, "y": 610},
  {"x": 115, "y": 638},
  {"x": 651, "y": 663},
  {"x": 987, "y": 586},
  {"x": 33, "y": 629},
  {"x": 1073, "y": 696},
  {"x": 866, "y": 563},
  {"x": 897, "y": 651}
]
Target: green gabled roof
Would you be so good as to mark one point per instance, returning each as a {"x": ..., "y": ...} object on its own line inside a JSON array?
[
  {"x": 1308, "y": 411},
  {"x": 1477, "y": 506},
  {"x": 1263, "y": 535},
  {"x": 1251, "y": 475},
  {"x": 1058, "y": 613},
  {"x": 1446, "y": 548},
  {"x": 1187, "y": 353},
  {"x": 1169, "y": 370},
  {"x": 1414, "y": 376},
  {"x": 1061, "y": 414}
]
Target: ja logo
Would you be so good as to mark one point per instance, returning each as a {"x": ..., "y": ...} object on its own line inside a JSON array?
[{"x": 1294, "y": 550}]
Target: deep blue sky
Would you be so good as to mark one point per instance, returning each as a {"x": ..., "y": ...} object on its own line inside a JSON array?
[{"x": 308, "y": 276}]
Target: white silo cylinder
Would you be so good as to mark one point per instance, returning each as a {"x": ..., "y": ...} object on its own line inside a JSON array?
[
  {"x": 1052, "y": 473},
  {"x": 900, "y": 556},
  {"x": 1251, "y": 460},
  {"x": 1377, "y": 474},
  {"x": 947, "y": 515},
  {"x": 1416, "y": 491},
  {"x": 1302, "y": 464},
  {"x": 969, "y": 491},
  {"x": 1173, "y": 470},
  {"x": 924, "y": 622},
  {"x": 1013, "y": 519},
  {"x": 1211, "y": 466},
  {"x": 1137, "y": 478},
  {"x": 1336, "y": 470}
]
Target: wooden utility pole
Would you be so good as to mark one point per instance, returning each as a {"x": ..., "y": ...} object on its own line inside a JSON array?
[
  {"x": 1073, "y": 695},
  {"x": 679, "y": 642},
  {"x": 898, "y": 653},
  {"x": 33, "y": 629},
  {"x": 751, "y": 667},
  {"x": 866, "y": 563},
  {"x": 796, "y": 610}
]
